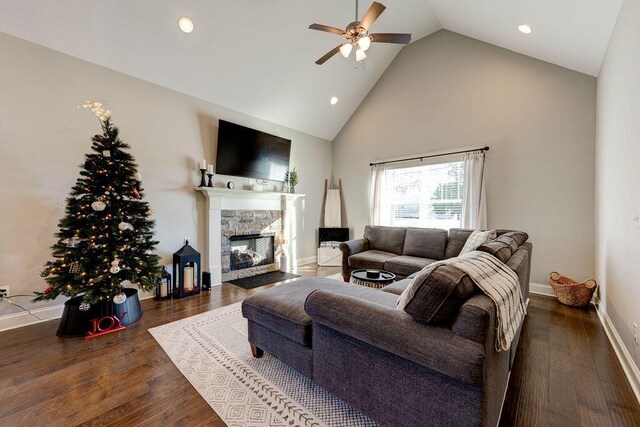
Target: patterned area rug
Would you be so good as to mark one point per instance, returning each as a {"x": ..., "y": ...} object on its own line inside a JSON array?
[{"x": 212, "y": 352}]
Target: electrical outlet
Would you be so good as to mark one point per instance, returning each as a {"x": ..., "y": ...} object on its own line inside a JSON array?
[
  {"x": 635, "y": 333},
  {"x": 5, "y": 291}
]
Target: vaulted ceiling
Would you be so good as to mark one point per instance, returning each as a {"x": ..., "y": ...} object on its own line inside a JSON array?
[{"x": 258, "y": 57}]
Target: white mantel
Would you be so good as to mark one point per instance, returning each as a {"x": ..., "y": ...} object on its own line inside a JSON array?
[{"x": 219, "y": 199}]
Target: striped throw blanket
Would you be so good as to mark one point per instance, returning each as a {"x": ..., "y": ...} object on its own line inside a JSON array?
[{"x": 500, "y": 283}]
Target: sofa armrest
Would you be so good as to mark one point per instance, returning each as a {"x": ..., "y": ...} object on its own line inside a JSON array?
[
  {"x": 394, "y": 331},
  {"x": 476, "y": 320},
  {"x": 349, "y": 248},
  {"x": 519, "y": 262}
]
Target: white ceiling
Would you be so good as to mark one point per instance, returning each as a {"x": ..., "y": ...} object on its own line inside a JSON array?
[{"x": 258, "y": 57}]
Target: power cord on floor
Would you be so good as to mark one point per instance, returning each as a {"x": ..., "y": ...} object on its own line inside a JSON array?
[{"x": 8, "y": 299}]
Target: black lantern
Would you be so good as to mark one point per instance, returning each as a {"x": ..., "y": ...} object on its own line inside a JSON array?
[
  {"x": 164, "y": 288},
  {"x": 186, "y": 272}
]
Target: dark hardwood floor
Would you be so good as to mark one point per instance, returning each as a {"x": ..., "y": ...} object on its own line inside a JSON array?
[{"x": 565, "y": 372}]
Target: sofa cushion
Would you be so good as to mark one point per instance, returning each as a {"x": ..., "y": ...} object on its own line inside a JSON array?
[
  {"x": 281, "y": 308},
  {"x": 457, "y": 238},
  {"x": 386, "y": 239},
  {"x": 425, "y": 243},
  {"x": 397, "y": 288},
  {"x": 405, "y": 265},
  {"x": 436, "y": 296},
  {"x": 476, "y": 239},
  {"x": 370, "y": 259}
]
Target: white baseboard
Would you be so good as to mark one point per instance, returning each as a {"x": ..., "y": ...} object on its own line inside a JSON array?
[
  {"x": 541, "y": 289},
  {"x": 628, "y": 365},
  {"x": 18, "y": 320},
  {"x": 307, "y": 260}
]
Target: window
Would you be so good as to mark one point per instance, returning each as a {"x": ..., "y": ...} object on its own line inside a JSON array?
[{"x": 424, "y": 196}]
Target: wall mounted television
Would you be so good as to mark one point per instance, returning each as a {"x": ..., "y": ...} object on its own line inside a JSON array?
[{"x": 249, "y": 153}]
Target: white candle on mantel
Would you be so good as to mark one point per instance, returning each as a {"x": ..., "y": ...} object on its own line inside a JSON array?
[
  {"x": 210, "y": 169},
  {"x": 188, "y": 279},
  {"x": 203, "y": 164}
]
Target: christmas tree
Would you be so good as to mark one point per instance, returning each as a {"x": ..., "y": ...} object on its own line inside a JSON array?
[{"x": 105, "y": 240}]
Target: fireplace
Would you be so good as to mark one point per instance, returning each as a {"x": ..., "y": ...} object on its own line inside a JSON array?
[
  {"x": 253, "y": 250},
  {"x": 241, "y": 213}
]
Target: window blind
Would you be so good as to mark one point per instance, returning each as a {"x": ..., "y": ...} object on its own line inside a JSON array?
[{"x": 425, "y": 196}]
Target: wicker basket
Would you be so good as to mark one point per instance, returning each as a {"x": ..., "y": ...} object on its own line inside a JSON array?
[{"x": 570, "y": 292}]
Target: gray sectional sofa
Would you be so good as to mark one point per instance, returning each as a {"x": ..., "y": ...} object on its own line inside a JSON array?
[
  {"x": 404, "y": 251},
  {"x": 355, "y": 343}
]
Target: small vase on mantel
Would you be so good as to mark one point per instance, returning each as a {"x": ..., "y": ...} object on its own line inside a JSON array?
[{"x": 292, "y": 190}]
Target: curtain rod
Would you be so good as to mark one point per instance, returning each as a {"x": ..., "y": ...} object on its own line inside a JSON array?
[{"x": 485, "y": 148}]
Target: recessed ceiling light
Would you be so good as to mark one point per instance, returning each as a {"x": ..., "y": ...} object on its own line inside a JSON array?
[
  {"x": 185, "y": 24},
  {"x": 334, "y": 100},
  {"x": 524, "y": 28}
]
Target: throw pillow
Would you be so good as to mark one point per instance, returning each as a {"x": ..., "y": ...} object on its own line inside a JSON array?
[
  {"x": 436, "y": 294},
  {"x": 499, "y": 248},
  {"x": 476, "y": 239},
  {"x": 505, "y": 245}
]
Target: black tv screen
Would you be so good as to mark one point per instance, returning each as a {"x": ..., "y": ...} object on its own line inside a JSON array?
[{"x": 247, "y": 152}]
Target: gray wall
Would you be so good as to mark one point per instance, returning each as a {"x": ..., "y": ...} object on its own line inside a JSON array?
[
  {"x": 618, "y": 175},
  {"x": 448, "y": 91},
  {"x": 43, "y": 138}
]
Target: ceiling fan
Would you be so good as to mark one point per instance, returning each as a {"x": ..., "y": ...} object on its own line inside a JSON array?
[{"x": 357, "y": 35}]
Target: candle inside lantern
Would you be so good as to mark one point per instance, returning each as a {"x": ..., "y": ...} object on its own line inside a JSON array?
[
  {"x": 164, "y": 290},
  {"x": 188, "y": 279},
  {"x": 210, "y": 169},
  {"x": 203, "y": 164}
]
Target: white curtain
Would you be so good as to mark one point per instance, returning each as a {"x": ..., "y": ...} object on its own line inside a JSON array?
[
  {"x": 474, "y": 204},
  {"x": 378, "y": 204}
]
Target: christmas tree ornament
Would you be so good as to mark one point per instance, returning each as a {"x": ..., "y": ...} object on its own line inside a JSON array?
[
  {"x": 106, "y": 153},
  {"x": 150, "y": 211},
  {"x": 115, "y": 267},
  {"x": 98, "y": 205},
  {"x": 120, "y": 298},
  {"x": 138, "y": 176},
  {"x": 74, "y": 268},
  {"x": 44, "y": 272},
  {"x": 135, "y": 192},
  {"x": 65, "y": 203},
  {"x": 84, "y": 306},
  {"x": 124, "y": 226},
  {"x": 73, "y": 242}
]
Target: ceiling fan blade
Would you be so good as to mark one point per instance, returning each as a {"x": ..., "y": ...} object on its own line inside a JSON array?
[
  {"x": 375, "y": 10},
  {"x": 326, "y": 28},
  {"x": 328, "y": 55},
  {"x": 391, "y": 38}
]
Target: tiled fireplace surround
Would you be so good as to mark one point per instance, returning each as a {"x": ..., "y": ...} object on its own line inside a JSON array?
[
  {"x": 246, "y": 222},
  {"x": 244, "y": 212}
]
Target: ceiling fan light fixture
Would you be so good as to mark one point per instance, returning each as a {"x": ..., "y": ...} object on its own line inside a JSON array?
[
  {"x": 345, "y": 49},
  {"x": 360, "y": 55},
  {"x": 364, "y": 42}
]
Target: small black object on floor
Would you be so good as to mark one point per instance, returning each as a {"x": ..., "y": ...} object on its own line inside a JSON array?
[{"x": 263, "y": 279}]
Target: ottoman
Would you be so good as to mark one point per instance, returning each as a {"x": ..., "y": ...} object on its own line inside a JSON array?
[{"x": 279, "y": 325}]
